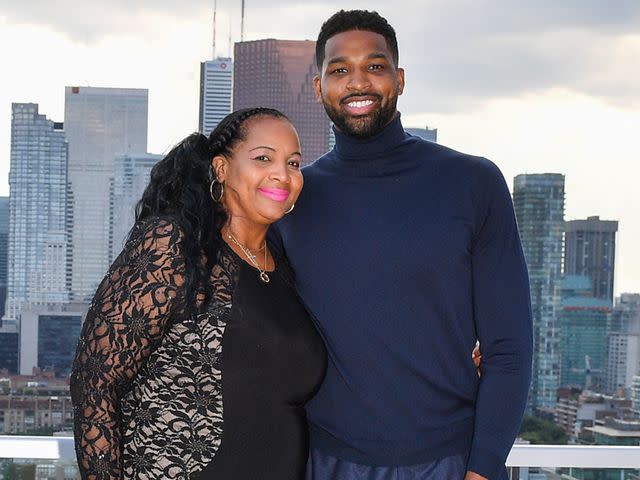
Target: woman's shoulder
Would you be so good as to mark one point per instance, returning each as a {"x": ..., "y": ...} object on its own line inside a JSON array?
[{"x": 158, "y": 232}]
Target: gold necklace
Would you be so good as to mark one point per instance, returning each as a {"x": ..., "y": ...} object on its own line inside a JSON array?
[{"x": 252, "y": 257}]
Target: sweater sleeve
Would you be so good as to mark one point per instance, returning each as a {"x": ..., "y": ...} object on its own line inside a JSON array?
[{"x": 502, "y": 315}]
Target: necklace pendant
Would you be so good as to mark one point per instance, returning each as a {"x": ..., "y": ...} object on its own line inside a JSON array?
[{"x": 264, "y": 277}]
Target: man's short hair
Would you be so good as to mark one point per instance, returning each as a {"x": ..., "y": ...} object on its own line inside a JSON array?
[{"x": 347, "y": 20}]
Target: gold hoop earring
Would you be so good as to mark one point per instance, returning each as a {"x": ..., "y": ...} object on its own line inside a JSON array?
[
  {"x": 290, "y": 209},
  {"x": 212, "y": 186}
]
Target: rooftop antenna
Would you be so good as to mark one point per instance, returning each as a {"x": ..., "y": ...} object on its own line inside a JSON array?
[
  {"x": 213, "y": 43},
  {"x": 230, "y": 44},
  {"x": 242, "y": 23}
]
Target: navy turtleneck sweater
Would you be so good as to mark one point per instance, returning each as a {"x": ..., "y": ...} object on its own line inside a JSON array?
[{"x": 405, "y": 253}]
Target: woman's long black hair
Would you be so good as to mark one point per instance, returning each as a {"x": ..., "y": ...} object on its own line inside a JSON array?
[{"x": 179, "y": 187}]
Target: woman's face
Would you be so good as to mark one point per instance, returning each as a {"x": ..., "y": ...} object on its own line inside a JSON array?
[{"x": 262, "y": 179}]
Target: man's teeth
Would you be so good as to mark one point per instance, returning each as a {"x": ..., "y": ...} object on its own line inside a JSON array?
[{"x": 364, "y": 103}]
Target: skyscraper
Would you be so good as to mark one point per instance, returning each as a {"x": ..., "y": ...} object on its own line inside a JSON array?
[
  {"x": 4, "y": 250},
  {"x": 623, "y": 343},
  {"x": 590, "y": 249},
  {"x": 8, "y": 336},
  {"x": 278, "y": 74},
  {"x": 582, "y": 320},
  {"x": 429, "y": 134},
  {"x": 37, "y": 205},
  {"x": 216, "y": 91},
  {"x": 130, "y": 179},
  {"x": 539, "y": 204},
  {"x": 100, "y": 124}
]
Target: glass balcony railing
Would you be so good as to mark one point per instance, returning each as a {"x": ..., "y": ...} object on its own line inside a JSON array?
[{"x": 54, "y": 458}]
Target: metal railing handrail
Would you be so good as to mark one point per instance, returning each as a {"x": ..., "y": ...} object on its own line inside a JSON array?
[
  {"x": 576, "y": 456},
  {"x": 32, "y": 447}
]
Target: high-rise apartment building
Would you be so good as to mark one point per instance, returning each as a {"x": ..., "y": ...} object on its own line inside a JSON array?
[
  {"x": 37, "y": 205},
  {"x": 130, "y": 179},
  {"x": 582, "y": 321},
  {"x": 48, "y": 338},
  {"x": 4, "y": 250},
  {"x": 635, "y": 396},
  {"x": 216, "y": 92},
  {"x": 539, "y": 204},
  {"x": 100, "y": 124},
  {"x": 623, "y": 343},
  {"x": 429, "y": 134},
  {"x": 590, "y": 249},
  {"x": 278, "y": 74}
]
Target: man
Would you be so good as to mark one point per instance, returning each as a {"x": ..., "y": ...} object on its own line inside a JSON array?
[{"x": 406, "y": 253}]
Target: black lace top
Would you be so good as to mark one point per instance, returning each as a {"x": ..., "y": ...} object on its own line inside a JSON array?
[{"x": 147, "y": 380}]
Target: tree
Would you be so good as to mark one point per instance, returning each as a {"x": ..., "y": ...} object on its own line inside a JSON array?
[
  {"x": 16, "y": 471},
  {"x": 538, "y": 431}
]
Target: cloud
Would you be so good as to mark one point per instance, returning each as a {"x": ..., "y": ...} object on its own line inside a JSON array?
[
  {"x": 457, "y": 54},
  {"x": 90, "y": 21},
  {"x": 464, "y": 54}
]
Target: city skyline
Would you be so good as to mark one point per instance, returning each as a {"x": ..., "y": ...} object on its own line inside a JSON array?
[{"x": 540, "y": 88}]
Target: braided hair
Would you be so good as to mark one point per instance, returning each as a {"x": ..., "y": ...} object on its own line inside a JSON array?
[{"x": 179, "y": 187}]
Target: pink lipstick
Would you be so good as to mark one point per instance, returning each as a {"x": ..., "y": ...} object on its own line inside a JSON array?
[{"x": 277, "y": 194}]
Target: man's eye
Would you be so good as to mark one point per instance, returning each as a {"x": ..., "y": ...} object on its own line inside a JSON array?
[
  {"x": 339, "y": 70},
  {"x": 375, "y": 67}
]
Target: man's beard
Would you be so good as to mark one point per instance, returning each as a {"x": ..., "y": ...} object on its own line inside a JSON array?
[{"x": 365, "y": 126}]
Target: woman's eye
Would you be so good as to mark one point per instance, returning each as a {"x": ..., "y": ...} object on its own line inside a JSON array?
[
  {"x": 294, "y": 163},
  {"x": 262, "y": 158}
]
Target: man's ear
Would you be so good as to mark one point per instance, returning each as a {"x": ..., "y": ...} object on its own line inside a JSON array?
[
  {"x": 317, "y": 88},
  {"x": 219, "y": 164},
  {"x": 400, "y": 79}
]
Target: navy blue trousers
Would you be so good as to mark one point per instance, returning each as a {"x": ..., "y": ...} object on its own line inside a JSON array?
[{"x": 325, "y": 467}]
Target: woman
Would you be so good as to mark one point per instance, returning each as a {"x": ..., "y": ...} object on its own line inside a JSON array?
[{"x": 196, "y": 356}]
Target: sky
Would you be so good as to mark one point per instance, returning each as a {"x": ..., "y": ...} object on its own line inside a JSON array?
[{"x": 535, "y": 85}]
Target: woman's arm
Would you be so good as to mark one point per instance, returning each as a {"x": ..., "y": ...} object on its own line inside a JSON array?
[{"x": 126, "y": 320}]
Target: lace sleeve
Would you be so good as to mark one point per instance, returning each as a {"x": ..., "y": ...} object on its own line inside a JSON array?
[{"x": 126, "y": 319}]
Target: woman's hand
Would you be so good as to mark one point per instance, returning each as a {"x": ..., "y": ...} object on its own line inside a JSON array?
[
  {"x": 473, "y": 475},
  {"x": 477, "y": 357}
]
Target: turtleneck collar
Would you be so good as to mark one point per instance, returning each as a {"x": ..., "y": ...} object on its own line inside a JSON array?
[
  {"x": 387, "y": 153},
  {"x": 353, "y": 149}
]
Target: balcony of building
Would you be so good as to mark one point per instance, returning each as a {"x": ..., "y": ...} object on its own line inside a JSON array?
[{"x": 53, "y": 458}]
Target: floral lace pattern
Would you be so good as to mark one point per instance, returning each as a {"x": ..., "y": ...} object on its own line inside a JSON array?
[{"x": 146, "y": 381}]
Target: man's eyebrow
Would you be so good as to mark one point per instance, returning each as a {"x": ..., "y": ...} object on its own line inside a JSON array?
[
  {"x": 371, "y": 56},
  {"x": 337, "y": 60},
  {"x": 377, "y": 55}
]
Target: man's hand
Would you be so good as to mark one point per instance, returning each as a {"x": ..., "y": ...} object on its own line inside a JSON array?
[{"x": 474, "y": 476}]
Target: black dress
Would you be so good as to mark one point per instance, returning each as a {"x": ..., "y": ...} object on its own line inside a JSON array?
[{"x": 273, "y": 360}]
